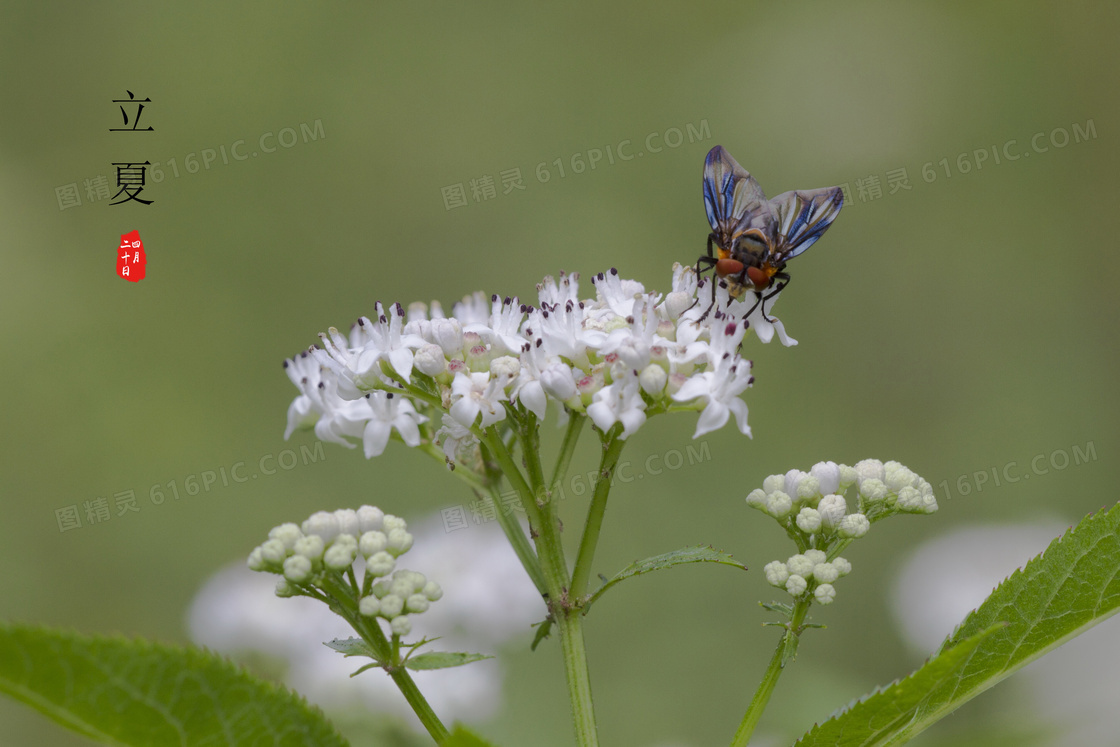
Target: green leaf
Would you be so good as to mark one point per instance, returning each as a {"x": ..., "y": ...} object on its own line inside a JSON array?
[
  {"x": 442, "y": 660},
  {"x": 135, "y": 692},
  {"x": 1071, "y": 587},
  {"x": 698, "y": 554},
  {"x": 350, "y": 647},
  {"x": 463, "y": 737},
  {"x": 881, "y": 714},
  {"x": 544, "y": 627}
]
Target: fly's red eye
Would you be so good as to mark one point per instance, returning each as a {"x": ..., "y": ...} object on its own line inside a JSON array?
[
  {"x": 759, "y": 277},
  {"x": 725, "y": 267}
]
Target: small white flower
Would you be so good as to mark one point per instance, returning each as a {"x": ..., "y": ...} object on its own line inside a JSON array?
[
  {"x": 311, "y": 547},
  {"x": 720, "y": 389},
  {"x": 306, "y": 373},
  {"x": 793, "y": 481},
  {"x": 873, "y": 490},
  {"x": 401, "y": 625},
  {"x": 417, "y": 603},
  {"x": 808, "y": 489},
  {"x": 816, "y": 556},
  {"x": 616, "y": 293},
  {"x": 898, "y": 478},
  {"x": 774, "y": 482},
  {"x": 825, "y": 573},
  {"x": 757, "y": 499},
  {"x": 256, "y": 561},
  {"x": 430, "y": 360},
  {"x": 457, "y": 440},
  {"x": 776, "y": 573},
  {"x": 854, "y": 526},
  {"x": 380, "y": 564},
  {"x": 842, "y": 566},
  {"x": 912, "y": 500},
  {"x": 833, "y": 508},
  {"x": 475, "y": 394},
  {"x": 869, "y": 469},
  {"x": 828, "y": 474},
  {"x": 448, "y": 334},
  {"x": 297, "y": 569},
  {"x": 621, "y": 402},
  {"x": 288, "y": 533},
  {"x": 809, "y": 520},
  {"x": 340, "y": 555},
  {"x": 369, "y": 606},
  {"x": 796, "y": 585},
  {"x": 800, "y": 565},
  {"x": 399, "y": 542},
  {"x": 778, "y": 505},
  {"x": 321, "y": 523},
  {"x": 825, "y": 593},
  {"x": 372, "y": 542},
  {"x": 347, "y": 522},
  {"x": 273, "y": 552},
  {"x": 503, "y": 329},
  {"x": 558, "y": 381},
  {"x": 391, "y": 605},
  {"x": 370, "y": 518},
  {"x": 527, "y": 386}
]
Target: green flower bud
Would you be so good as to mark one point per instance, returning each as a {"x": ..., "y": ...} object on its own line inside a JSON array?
[
  {"x": 286, "y": 533},
  {"x": 825, "y": 593},
  {"x": 391, "y": 606},
  {"x": 796, "y": 585},
  {"x": 369, "y": 606},
  {"x": 776, "y": 573},
  {"x": 297, "y": 569},
  {"x": 401, "y": 625},
  {"x": 809, "y": 520},
  {"x": 417, "y": 603}
]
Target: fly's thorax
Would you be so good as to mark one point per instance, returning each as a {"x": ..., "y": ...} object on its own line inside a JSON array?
[{"x": 751, "y": 250}]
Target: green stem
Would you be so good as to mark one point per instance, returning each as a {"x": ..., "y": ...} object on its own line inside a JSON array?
[
  {"x": 569, "y": 622},
  {"x": 567, "y": 448},
  {"x": 493, "y": 440},
  {"x": 514, "y": 533},
  {"x": 370, "y": 631},
  {"x": 612, "y": 449},
  {"x": 569, "y": 625},
  {"x": 419, "y": 705},
  {"x": 517, "y": 539},
  {"x": 783, "y": 654}
]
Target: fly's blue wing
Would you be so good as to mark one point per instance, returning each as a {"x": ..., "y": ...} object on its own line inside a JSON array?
[
  {"x": 800, "y": 218},
  {"x": 731, "y": 195}
]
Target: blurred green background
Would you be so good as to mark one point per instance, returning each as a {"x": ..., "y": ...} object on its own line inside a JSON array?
[{"x": 959, "y": 325}]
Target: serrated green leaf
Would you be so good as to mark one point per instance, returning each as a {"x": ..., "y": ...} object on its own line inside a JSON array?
[
  {"x": 350, "y": 647},
  {"x": 883, "y": 711},
  {"x": 697, "y": 554},
  {"x": 442, "y": 660},
  {"x": 1058, "y": 595},
  {"x": 463, "y": 737},
  {"x": 134, "y": 692}
]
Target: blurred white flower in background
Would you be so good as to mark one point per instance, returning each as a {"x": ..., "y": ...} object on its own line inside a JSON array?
[
  {"x": 488, "y": 601},
  {"x": 1074, "y": 687}
]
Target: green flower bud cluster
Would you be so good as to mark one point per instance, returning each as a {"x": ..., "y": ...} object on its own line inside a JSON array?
[
  {"x": 319, "y": 559},
  {"x": 813, "y": 508}
]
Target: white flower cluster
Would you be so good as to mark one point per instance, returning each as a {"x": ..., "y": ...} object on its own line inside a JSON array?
[
  {"x": 331, "y": 542},
  {"x": 617, "y": 358},
  {"x": 811, "y": 567},
  {"x": 812, "y": 506}
]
